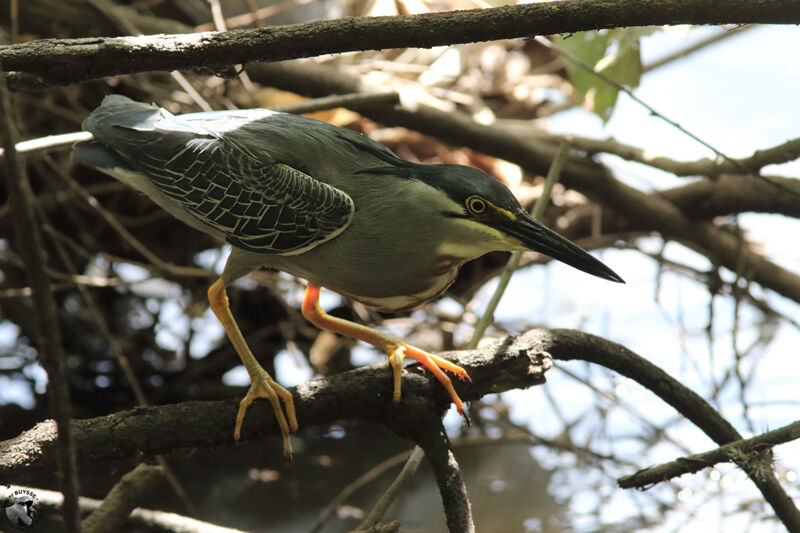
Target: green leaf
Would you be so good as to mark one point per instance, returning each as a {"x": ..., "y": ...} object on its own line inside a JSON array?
[{"x": 614, "y": 53}]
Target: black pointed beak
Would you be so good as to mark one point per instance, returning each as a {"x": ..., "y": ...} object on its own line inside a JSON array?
[{"x": 537, "y": 237}]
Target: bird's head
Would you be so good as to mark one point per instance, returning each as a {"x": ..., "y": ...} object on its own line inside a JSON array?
[
  {"x": 481, "y": 205},
  {"x": 479, "y": 214}
]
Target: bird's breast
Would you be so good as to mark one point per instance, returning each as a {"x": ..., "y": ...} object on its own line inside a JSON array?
[{"x": 426, "y": 287}]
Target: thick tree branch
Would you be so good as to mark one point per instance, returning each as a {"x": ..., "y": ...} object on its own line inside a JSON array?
[
  {"x": 365, "y": 394},
  {"x": 729, "y": 195},
  {"x": 65, "y": 61},
  {"x": 362, "y": 394},
  {"x": 445, "y": 468}
]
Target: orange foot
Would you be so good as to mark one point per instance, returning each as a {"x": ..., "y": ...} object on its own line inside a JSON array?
[
  {"x": 394, "y": 347},
  {"x": 433, "y": 363}
]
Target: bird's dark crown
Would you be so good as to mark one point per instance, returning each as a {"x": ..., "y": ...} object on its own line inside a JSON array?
[{"x": 458, "y": 182}]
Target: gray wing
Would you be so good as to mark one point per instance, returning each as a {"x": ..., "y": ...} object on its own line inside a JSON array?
[{"x": 258, "y": 203}]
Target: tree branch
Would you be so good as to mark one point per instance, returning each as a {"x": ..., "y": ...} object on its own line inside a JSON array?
[
  {"x": 129, "y": 491},
  {"x": 65, "y": 61},
  {"x": 142, "y": 519},
  {"x": 783, "y": 153},
  {"x": 751, "y": 450},
  {"x": 452, "y": 488},
  {"x": 363, "y": 394},
  {"x": 728, "y": 195},
  {"x": 388, "y": 497},
  {"x": 569, "y": 345},
  {"x": 48, "y": 340}
]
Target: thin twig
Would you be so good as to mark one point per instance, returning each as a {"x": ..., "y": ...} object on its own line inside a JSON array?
[
  {"x": 774, "y": 155},
  {"x": 189, "y": 89},
  {"x": 369, "y": 476},
  {"x": 351, "y": 101},
  {"x": 513, "y": 262},
  {"x": 699, "y": 45},
  {"x": 135, "y": 243},
  {"x": 51, "y": 354},
  {"x": 219, "y": 25},
  {"x": 256, "y": 16},
  {"x": 749, "y": 450},
  {"x": 620, "y": 87},
  {"x": 14, "y": 16},
  {"x": 50, "y": 142},
  {"x": 391, "y": 493}
]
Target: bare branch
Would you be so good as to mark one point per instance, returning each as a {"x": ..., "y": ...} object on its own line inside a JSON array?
[
  {"x": 122, "y": 499},
  {"x": 64, "y": 61},
  {"x": 50, "y": 142},
  {"x": 51, "y": 354},
  {"x": 743, "y": 450},
  {"x": 783, "y": 153},
  {"x": 146, "y": 519},
  {"x": 364, "y": 479},
  {"x": 439, "y": 451},
  {"x": 569, "y": 345},
  {"x": 699, "y": 45},
  {"x": 728, "y": 195},
  {"x": 362, "y": 394},
  {"x": 386, "y": 499}
]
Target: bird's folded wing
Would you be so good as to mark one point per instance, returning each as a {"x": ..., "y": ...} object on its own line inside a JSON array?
[{"x": 258, "y": 203}]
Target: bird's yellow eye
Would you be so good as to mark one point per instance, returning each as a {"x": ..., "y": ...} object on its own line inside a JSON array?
[{"x": 476, "y": 204}]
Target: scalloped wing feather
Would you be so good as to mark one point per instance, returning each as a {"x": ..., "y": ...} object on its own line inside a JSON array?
[{"x": 258, "y": 204}]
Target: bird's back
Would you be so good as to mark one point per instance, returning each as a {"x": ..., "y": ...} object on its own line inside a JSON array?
[{"x": 235, "y": 174}]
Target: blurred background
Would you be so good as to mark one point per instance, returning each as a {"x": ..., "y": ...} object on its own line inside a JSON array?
[{"x": 544, "y": 459}]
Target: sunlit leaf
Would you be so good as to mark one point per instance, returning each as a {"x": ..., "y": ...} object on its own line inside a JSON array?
[{"x": 614, "y": 54}]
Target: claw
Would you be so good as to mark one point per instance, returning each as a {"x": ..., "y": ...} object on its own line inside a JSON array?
[
  {"x": 434, "y": 364},
  {"x": 263, "y": 386},
  {"x": 396, "y": 360},
  {"x": 261, "y": 383}
]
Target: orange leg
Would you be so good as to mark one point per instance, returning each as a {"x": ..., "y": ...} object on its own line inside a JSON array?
[
  {"x": 396, "y": 348},
  {"x": 261, "y": 383}
]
